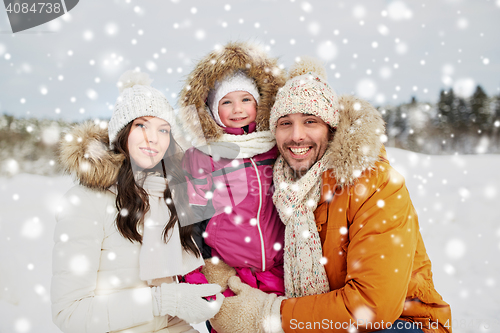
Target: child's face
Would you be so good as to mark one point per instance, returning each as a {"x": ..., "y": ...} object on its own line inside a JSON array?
[
  {"x": 237, "y": 109},
  {"x": 148, "y": 140}
]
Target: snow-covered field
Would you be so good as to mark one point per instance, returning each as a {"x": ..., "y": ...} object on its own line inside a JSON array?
[{"x": 457, "y": 198}]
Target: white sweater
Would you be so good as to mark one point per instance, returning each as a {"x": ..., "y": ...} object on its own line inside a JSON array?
[{"x": 95, "y": 284}]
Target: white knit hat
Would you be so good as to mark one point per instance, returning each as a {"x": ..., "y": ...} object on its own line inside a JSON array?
[
  {"x": 306, "y": 92},
  {"x": 239, "y": 81},
  {"x": 138, "y": 99}
]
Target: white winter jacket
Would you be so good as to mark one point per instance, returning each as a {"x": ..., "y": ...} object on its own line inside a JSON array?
[{"x": 95, "y": 284}]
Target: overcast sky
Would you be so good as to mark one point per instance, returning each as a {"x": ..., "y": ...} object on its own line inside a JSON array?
[{"x": 384, "y": 51}]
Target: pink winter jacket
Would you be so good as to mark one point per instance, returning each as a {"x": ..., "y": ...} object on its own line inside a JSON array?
[{"x": 240, "y": 225}]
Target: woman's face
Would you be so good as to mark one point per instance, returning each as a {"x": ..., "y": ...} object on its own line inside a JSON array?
[{"x": 148, "y": 140}]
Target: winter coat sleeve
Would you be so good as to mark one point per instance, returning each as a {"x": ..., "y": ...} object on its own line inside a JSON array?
[
  {"x": 383, "y": 231},
  {"x": 76, "y": 304},
  {"x": 198, "y": 170}
]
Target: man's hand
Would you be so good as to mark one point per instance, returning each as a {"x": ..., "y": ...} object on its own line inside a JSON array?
[
  {"x": 218, "y": 273},
  {"x": 250, "y": 310}
]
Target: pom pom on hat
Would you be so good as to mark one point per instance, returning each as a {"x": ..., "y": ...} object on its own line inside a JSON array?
[
  {"x": 138, "y": 99},
  {"x": 131, "y": 78},
  {"x": 307, "y": 91},
  {"x": 307, "y": 65}
]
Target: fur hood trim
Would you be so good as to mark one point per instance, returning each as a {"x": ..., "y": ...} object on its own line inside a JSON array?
[
  {"x": 87, "y": 157},
  {"x": 215, "y": 67},
  {"x": 357, "y": 141}
]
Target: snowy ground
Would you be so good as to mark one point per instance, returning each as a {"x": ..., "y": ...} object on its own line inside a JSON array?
[{"x": 457, "y": 198}]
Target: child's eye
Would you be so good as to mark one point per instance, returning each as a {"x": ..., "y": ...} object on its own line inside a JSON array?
[
  {"x": 226, "y": 102},
  {"x": 246, "y": 99}
]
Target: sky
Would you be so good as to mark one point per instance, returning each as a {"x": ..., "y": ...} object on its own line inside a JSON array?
[{"x": 383, "y": 51}]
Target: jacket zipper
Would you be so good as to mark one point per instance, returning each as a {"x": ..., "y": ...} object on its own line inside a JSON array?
[{"x": 262, "y": 245}]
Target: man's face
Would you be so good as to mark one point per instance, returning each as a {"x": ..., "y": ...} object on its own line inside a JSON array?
[{"x": 302, "y": 140}]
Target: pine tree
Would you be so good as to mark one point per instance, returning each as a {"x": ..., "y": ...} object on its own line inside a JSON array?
[{"x": 480, "y": 109}]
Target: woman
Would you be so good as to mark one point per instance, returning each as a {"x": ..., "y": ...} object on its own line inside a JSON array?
[{"x": 123, "y": 235}]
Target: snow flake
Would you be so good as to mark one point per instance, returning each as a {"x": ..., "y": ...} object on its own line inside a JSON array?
[
  {"x": 323, "y": 261},
  {"x": 380, "y": 203},
  {"x": 253, "y": 222},
  {"x": 64, "y": 237},
  {"x": 343, "y": 230},
  {"x": 366, "y": 88},
  {"x": 449, "y": 269},
  {"x": 22, "y": 325},
  {"x": 247, "y": 239},
  {"x": 277, "y": 246},
  {"x": 359, "y": 12},
  {"x": 327, "y": 50},
  {"x": 228, "y": 209},
  {"x": 397, "y": 11},
  {"x": 314, "y": 28},
  {"x": 32, "y": 228},
  {"x": 124, "y": 212},
  {"x": 88, "y": 35},
  {"x": 200, "y": 34},
  {"x": 383, "y": 30},
  {"x": 307, "y": 7},
  {"x": 209, "y": 195},
  {"x": 141, "y": 295},
  {"x": 111, "y": 256},
  {"x": 455, "y": 248},
  {"x": 15, "y": 197},
  {"x": 306, "y": 234},
  {"x": 401, "y": 48},
  {"x": 310, "y": 202},
  {"x": 464, "y": 87},
  {"x": 462, "y": 23},
  {"x": 79, "y": 264}
]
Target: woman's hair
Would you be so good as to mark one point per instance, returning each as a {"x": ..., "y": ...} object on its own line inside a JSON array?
[{"x": 132, "y": 200}]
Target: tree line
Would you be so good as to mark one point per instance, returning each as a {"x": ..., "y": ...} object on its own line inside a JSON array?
[{"x": 452, "y": 125}]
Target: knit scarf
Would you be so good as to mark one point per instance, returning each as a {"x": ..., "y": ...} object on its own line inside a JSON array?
[
  {"x": 240, "y": 146},
  {"x": 158, "y": 259},
  {"x": 296, "y": 201}
]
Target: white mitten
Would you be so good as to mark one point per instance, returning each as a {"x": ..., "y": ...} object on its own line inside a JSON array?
[{"x": 186, "y": 301}]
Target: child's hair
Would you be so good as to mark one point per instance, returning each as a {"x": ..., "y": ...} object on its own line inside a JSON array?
[{"x": 132, "y": 200}]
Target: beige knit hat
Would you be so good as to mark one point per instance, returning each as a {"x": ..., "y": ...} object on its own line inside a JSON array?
[
  {"x": 138, "y": 99},
  {"x": 307, "y": 91}
]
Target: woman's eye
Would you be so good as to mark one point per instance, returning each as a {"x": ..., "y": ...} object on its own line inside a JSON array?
[
  {"x": 284, "y": 123},
  {"x": 165, "y": 131},
  {"x": 140, "y": 125}
]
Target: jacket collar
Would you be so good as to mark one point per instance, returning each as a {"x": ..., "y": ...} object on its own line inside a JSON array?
[{"x": 240, "y": 131}]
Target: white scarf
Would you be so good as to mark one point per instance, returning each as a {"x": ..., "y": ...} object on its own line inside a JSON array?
[
  {"x": 296, "y": 201},
  {"x": 240, "y": 146},
  {"x": 158, "y": 259}
]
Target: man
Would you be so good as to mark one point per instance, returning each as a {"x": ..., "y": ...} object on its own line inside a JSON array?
[{"x": 354, "y": 257}]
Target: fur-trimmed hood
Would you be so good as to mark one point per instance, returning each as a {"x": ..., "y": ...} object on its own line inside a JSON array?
[
  {"x": 357, "y": 142},
  {"x": 215, "y": 67},
  {"x": 84, "y": 154}
]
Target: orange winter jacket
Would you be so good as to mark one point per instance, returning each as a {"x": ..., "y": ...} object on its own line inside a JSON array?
[{"x": 377, "y": 264}]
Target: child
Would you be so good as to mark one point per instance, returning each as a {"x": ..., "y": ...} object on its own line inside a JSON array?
[
  {"x": 231, "y": 92},
  {"x": 120, "y": 244}
]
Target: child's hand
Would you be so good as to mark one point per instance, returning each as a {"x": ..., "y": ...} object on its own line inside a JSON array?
[{"x": 218, "y": 273}]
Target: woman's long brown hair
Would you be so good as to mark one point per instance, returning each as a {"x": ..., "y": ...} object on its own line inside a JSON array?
[{"x": 132, "y": 200}]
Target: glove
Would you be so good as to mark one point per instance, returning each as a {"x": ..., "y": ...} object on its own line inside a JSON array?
[
  {"x": 250, "y": 310},
  {"x": 186, "y": 301},
  {"x": 218, "y": 273}
]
